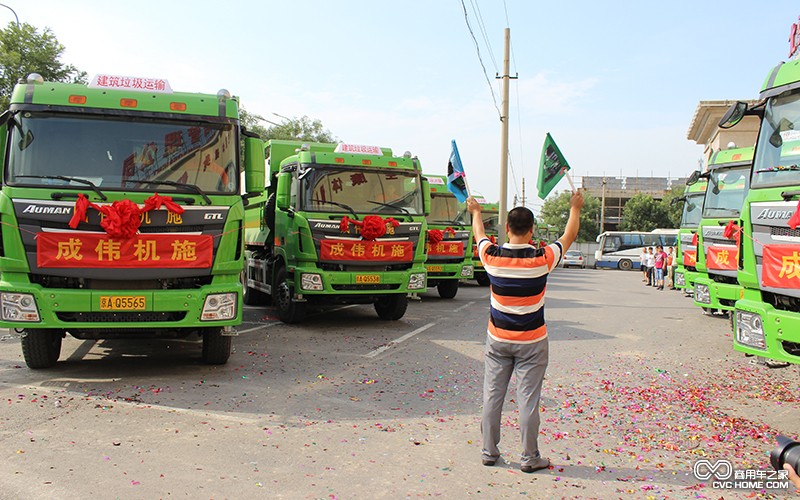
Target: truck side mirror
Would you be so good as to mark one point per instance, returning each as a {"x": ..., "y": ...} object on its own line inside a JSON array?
[
  {"x": 693, "y": 178},
  {"x": 255, "y": 176},
  {"x": 282, "y": 193},
  {"x": 426, "y": 196},
  {"x": 734, "y": 115}
]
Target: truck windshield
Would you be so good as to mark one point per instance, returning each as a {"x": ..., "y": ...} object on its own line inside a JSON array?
[
  {"x": 122, "y": 153},
  {"x": 490, "y": 221},
  {"x": 692, "y": 210},
  {"x": 326, "y": 189},
  {"x": 445, "y": 209},
  {"x": 725, "y": 193},
  {"x": 777, "y": 161}
]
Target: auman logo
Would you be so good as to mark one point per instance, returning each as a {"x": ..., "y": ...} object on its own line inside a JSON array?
[
  {"x": 46, "y": 209},
  {"x": 774, "y": 214}
]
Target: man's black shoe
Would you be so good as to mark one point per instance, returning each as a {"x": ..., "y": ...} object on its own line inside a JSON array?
[
  {"x": 539, "y": 464},
  {"x": 488, "y": 463}
]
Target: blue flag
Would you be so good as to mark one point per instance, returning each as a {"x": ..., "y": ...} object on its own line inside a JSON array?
[{"x": 456, "y": 179}]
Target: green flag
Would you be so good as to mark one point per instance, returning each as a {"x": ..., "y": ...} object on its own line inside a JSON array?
[{"x": 552, "y": 168}]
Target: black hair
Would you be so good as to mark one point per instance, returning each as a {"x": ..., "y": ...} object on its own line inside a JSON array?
[{"x": 520, "y": 221}]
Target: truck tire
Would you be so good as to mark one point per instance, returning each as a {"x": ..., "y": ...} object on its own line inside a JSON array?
[
  {"x": 482, "y": 279},
  {"x": 625, "y": 265},
  {"x": 216, "y": 347},
  {"x": 41, "y": 348},
  {"x": 289, "y": 311},
  {"x": 447, "y": 289},
  {"x": 391, "y": 307}
]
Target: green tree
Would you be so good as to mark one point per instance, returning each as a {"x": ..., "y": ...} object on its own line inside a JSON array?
[
  {"x": 643, "y": 213},
  {"x": 675, "y": 210},
  {"x": 23, "y": 50},
  {"x": 555, "y": 212},
  {"x": 300, "y": 129},
  {"x": 250, "y": 121}
]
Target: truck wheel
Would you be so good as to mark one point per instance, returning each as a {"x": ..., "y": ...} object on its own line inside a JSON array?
[
  {"x": 41, "y": 348},
  {"x": 447, "y": 289},
  {"x": 625, "y": 265},
  {"x": 289, "y": 311},
  {"x": 391, "y": 307},
  {"x": 482, "y": 279},
  {"x": 216, "y": 347},
  {"x": 251, "y": 296}
]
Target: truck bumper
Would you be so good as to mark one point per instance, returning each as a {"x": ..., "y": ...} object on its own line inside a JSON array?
[
  {"x": 445, "y": 272},
  {"x": 312, "y": 283},
  {"x": 724, "y": 295},
  {"x": 780, "y": 329},
  {"x": 689, "y": 278},
  {"x": 145, "y": 311}
]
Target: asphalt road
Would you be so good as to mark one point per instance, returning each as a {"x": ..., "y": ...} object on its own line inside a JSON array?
[{"x": 640, "y": 385}]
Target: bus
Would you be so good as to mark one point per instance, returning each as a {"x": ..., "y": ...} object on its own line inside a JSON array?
[{"x": 623, "y": 249}]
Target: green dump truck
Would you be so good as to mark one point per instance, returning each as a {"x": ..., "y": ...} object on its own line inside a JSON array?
[
  {"x": 767, "y": 314},
  {"x": 449, "y": 239},
  {"x": 716, "y": 288},
  {"x": 686, "y": 244},
  {"x": 337, "y": 223},
  {"x": 122, "y": 214}
]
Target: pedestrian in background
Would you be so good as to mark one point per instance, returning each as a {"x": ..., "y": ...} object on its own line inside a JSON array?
[
  {"x": 651, "y": 263},
  {"x": 671, "y": 267},
  {"x": 516, "y": 341},
  {"x": 643, "y": 264},
  {"x": 660, "y": 259}
]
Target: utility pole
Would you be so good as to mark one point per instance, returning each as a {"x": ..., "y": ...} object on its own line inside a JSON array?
[
  {"x": 503, "y": 208},
  {"x": 603, "y": 209},
  {"x": 523, "y": 191}
]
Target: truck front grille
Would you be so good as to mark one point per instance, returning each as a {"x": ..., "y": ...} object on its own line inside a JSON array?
[
  {"x": 782, "y": 302},
  {"x": 48, "y": 281},
  {"x": 120, "y": 317},
  {"x": 792, "y": 348}
]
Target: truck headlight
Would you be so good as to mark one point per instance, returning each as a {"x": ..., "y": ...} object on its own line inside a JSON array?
[
  {"x": 219, "y": 306},
  {"x": 416, "y": 281},
  {"x": 750, "y": 330},
  {"x": 467, "y": 271},
  {"x": 18, "y": 307},
  {"x": 701, "y": 294},
  {"x": 309, "y": 281},
  {"x": 680, "y": 279}
]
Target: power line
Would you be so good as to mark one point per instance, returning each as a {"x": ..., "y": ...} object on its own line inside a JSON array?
[
  {"x": 477, "y": 10},
  {"x": 478, "y": 50}
]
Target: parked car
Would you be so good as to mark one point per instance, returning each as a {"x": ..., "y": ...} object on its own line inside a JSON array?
[{"x": 574, "y": 258}]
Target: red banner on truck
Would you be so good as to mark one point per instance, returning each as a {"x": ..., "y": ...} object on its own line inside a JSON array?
[
  {"x": 65, "y": 250},
  {"x": 384, "y": 251},
  {"x": 723, "y": 258},
  {"x": 781, "y": 266}
]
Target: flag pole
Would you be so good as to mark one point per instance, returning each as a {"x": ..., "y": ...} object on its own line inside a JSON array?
[{"x": 569, "y": 179}]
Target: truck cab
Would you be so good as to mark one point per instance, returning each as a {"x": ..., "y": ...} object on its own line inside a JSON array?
[
  {"x": 716, "y": 287},
  {"x": 338, "y": 224},
  {"x": 449, "y": 239},
  {"x": 686, "y": 244}
]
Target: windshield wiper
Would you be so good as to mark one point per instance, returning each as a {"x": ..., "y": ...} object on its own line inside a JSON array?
[
  {"x": 342, "y": 205},
  {"x": 780, "y": 168},
  {"x": 725, "y": 210},
  {"x": 67, "y": 179},
  {"x": 189, "y": 187},
  {"x": 405, "y": 211}
]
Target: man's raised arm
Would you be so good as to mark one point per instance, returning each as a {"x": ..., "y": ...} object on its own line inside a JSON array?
[
  {"x": 574, "y": 222},
  {"x": 474, "y": 208}
]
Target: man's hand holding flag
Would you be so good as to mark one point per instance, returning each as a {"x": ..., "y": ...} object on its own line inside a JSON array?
[{"x": 552, "y": 168}]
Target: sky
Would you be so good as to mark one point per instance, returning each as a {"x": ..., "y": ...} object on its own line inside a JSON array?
[{"x": 615, "y": 83}]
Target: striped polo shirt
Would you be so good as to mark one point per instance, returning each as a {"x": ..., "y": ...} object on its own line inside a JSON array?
[{"x": 518, "y": 275}]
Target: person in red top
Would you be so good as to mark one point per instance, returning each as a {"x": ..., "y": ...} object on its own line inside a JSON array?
[{"x": 516, "y": 340}]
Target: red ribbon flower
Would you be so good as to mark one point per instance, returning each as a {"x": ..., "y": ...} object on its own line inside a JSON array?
[
  {"x": 123, "y": 217},
  {"x": 437, "y": 235},
  {"x": 732, "y": 230},
  {"x": 372, "y": 227},
  {"x": 694, "y": 239}
]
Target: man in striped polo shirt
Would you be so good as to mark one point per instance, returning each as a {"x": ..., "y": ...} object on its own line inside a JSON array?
[{"x": 517, "y": 335}]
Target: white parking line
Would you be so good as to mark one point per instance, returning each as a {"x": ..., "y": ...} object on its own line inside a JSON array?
[
  {"x": 464, "y": 306},
  {"x": 395, "y": 342}
]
